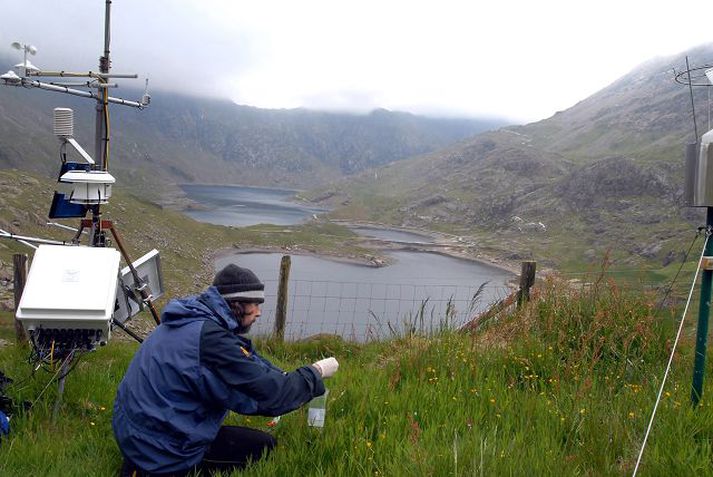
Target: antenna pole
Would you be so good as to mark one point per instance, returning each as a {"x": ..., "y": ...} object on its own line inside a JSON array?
[
  {"x": 97, "y": 237},
  {"x": 107, "y": 33},
  {"x": 24, "y": 61},
  {"x": 104, "y": 66}
]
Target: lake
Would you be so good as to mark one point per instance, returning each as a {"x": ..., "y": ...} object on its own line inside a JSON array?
[
  {"x": 419, "y": 290},
  {"x": 393, "y": 235},
  {"x": 422, "y": 290},
  {"x": 244, "y": 206}
]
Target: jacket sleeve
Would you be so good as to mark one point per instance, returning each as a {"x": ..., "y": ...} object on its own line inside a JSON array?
[
  {"x": 267, "y": 362},
  {"x": 248, "y": 374}
]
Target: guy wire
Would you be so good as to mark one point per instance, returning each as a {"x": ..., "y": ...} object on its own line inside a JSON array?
[
  {"x": 675, "y": 277},
  {"x": 670, "y": 359}
]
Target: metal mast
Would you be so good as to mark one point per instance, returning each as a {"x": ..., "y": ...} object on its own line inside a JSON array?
[{"x": 97, "y": 236}]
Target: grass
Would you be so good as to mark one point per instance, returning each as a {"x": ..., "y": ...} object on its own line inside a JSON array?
[{"x": 563, "y": 386}]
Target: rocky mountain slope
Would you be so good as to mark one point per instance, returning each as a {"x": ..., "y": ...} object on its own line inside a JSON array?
[
  {"x": 606, "y": 174},
  {"x": 182, "y": 139}
]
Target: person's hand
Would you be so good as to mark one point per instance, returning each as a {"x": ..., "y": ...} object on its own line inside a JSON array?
[{"x": 327, "y": 367}]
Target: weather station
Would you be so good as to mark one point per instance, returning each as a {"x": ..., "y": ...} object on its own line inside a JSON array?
[
  {"x": 77, "y": 293},
  {"x": 697, "y": 192}
]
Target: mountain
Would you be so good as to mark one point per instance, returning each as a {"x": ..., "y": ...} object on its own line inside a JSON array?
[
  {"x": 606, "y": 174},
  {"x": 183, "y": 139}
]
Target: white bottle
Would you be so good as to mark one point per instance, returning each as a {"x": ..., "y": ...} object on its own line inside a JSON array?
[{"x": 317, "y": 410}]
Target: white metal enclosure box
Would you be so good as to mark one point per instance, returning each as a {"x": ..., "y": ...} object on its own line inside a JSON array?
[{"x": 70, "y": 288}]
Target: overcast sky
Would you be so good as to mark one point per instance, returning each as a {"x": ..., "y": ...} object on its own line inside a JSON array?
[{"x": 523, "y": 60}]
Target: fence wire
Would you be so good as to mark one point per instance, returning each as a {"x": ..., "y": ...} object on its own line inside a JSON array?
[{"x": 367, "y": 311}]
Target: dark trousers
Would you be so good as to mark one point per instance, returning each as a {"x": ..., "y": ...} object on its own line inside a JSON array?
[{"x": 233, "y": 448}]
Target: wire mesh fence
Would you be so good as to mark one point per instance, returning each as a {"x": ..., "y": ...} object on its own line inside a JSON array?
[
  {"x": 414, "y": 294},
  {"x": 368, "y": 311}
]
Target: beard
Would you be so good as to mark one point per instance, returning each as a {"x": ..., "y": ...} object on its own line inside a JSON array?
[{"x": 242, "y": 329}]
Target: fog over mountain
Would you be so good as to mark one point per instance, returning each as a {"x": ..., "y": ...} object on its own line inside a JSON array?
[
  {"x": 190, "y": 139},
  {"x": 606, "y": 174},
  {"x": 520, "y": 60}
]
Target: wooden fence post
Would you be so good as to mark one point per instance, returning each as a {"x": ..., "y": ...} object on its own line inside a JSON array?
[
  {"x": 19, "y": 262},
  {"x": 527, "y": 279},
  {"x": 281, "y": 310}
]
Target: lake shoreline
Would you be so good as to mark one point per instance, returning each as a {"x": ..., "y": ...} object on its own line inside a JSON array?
[
  {"x": 242, "y": 186},
  {"x": 378, "y": 249},
  {"x": 365, "y": 261},
  {"x": 381, "y": 248},
  {"x": 444, "y": 244}
]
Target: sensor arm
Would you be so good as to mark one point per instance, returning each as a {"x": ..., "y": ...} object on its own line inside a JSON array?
[
  {"x": 23, "y": 239},
  {"x": 79, "y": 149},
  {"x": 28, "y": 83}
]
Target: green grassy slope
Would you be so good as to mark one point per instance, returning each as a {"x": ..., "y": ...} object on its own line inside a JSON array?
[{"x": 563, "y": 387}]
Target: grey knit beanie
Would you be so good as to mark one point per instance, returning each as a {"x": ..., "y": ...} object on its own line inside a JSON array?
[{"x": 239, "y": 284}]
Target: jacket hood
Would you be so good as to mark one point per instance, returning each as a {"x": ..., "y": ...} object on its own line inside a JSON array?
[{"x": 209, "y": 305}]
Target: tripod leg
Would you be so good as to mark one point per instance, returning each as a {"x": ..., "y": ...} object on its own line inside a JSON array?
[
  {"x": 127, "y": 331},
  {"x": 60, "y": 387}
]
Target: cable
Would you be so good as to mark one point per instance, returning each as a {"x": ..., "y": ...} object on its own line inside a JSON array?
[
  {"x": 127, "y": 331},
  {"x": 675, "y": 277},
  {"x": 59, "y": 351},
  {"x": 71, "y": 357},
  {"x": 48, "y": 384},
  {"x": 670, "y": 359},
  {"x": 105, "y": 104}
]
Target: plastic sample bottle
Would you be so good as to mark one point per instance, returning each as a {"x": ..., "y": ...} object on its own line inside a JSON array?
[{"x": 317, "y": 410}]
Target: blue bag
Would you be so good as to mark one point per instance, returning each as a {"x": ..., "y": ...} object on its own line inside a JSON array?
[{"x": 4, "y": 424}]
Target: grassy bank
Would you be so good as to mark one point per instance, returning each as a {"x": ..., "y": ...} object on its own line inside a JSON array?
[{"x": 562, "y": 387}]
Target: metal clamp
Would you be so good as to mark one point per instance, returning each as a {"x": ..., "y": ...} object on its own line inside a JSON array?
[{"x": 707, "y": 263}]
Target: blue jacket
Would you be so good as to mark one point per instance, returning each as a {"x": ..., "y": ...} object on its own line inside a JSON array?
[{"x": 185, "y": 377}]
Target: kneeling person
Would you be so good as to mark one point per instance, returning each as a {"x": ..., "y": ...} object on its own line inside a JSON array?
[{"x": 195, "y": 367}]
